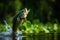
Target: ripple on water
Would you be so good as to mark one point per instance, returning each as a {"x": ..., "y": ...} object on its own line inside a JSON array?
[{"x": 10, "y": 38}]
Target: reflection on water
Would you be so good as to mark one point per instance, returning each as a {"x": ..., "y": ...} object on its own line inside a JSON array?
[
  {"x": 23, "y": 38},
  {"x": 10, "y": 38},
  {"x": 5, "y": 38},
  {"x": 41, "y": 37}
]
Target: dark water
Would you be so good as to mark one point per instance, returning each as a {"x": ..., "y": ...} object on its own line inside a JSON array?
[
  {"x": 27, "y": 38},
  {"x": 38, "y": 37}
]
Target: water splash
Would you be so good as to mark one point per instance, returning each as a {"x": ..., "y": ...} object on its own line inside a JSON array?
[
  {"x": 8, "y": 33},
  {"x": 8, "y": 28}
]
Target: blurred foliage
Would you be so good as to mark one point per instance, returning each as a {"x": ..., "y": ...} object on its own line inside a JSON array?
[
  {"x": 35, "y": 27},
  {"x": 2, "y": 27}
]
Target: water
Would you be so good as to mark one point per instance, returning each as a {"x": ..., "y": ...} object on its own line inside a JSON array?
[
  {"x": 8, "y": 28},
  {"x": 7, "y": 35},
  {"x": 27, "y": 38},
  {"x": 10, "y": 38},
  {"x": 21, "y": 38}
]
